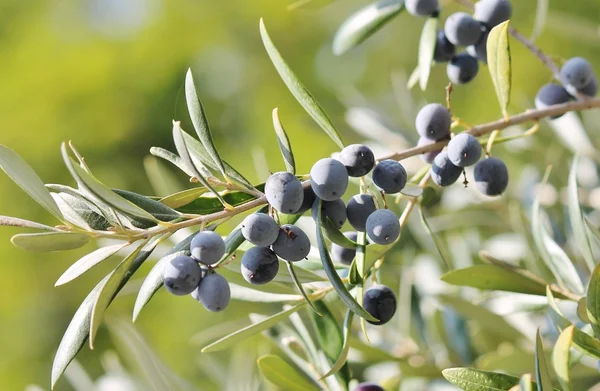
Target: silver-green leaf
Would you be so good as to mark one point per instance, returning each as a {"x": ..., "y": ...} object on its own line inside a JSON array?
[
  {"x": 50, "y": 241},
  {"x": 576, "y": 218},
  {"x": 284, "y": 143},
  {"x": 200, "y": 122},
  {"x": 302, "y": 95},
  {"x": 23, "y": 175},
  {"x": 542, "y": 374},
  {"x": 364, "y": 23},
  {"x": 283, "y": 375},
  {"x": 87, "y": 262},
  {"x": 499, "y": 63},
  {"x": 426, "y": 50}
]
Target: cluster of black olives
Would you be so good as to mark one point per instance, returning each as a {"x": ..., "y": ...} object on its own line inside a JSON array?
[
  {"x": 463, "y": 29},
  {"x": 577, "y": 78}
]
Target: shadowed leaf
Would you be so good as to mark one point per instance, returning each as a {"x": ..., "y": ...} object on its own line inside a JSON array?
[{"x": 426, "y": 49}]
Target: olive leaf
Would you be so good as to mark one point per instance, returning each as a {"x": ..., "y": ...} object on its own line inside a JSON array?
[
  {"x": 250, "y": 330},
  {"x": 542, "y": 374},
  {"x": 23, "y": 175},
  {"x": 284, "y": 375},
  {"x": 157, "y": 209},
  {"x": 200, "y": 122},
  {"x": 576, "y": 217},
  {"x": 97, "y": 189},
  {"x": 298, "y": 284},
  {"x": 342, "y": 347},
  {"x": 470, "y": 379},
  {"x": 182, "y": 198},
  {"x": 7, "y": 221},
  {"x": 593, "y": 300},
  {"x": 284, "y": 143},
  {"x": 50, "y": 241},
  {"x": 426, "y": 50},
  {"x": 302, "y": 95},
  {"x": 561, "y": 355},
  {"x": 87, "y": 262},
  {"x": 364, "y": 23},
  {"x": 176, "y": 161},
  {"x": 78, "y": 330},
  {"x": 334, "y": 277},
  {"x": 499, "y": 63},
  {"x": 162, "y": 180}
]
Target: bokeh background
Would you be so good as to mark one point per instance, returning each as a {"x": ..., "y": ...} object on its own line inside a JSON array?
[{"x": 108, "y": 75}]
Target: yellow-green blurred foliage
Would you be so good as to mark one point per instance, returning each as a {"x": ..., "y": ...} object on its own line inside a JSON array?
[{"x": 108, "y": 75}]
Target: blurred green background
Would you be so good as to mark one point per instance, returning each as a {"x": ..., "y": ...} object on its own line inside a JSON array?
[{"x": 108, "y": 75}]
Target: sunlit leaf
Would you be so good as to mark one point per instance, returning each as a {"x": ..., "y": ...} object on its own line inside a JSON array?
[
  {"x": 78, "y": 330},
  {"x": 525, "y": 383},
  {"x": 50, "y": 241},
  {"x": 561, "y": 356},
  {"x": 542, "y": 374},
  {"x": 469, "y": 379},
  {"x": 7, "y": 221},
  {"x": 334, "y": 277},
  {"x": 554, "y": 257},
  {"x": 499, "y": 63},
  {"x": 414, "y": 78},
  {"x": 250, "y": 330},
  {"x": 87, "y": 262},
  {"x": 70, "y": 214},
  {"x": 96, "y": 188},
  {"x": 184, "y": 197},
  {"x": 252, "y": 295},
  {"x": 109, "y": 290},
  {"x": 23, "y": 175},
  {"x": 492, "y": 277},
  {"x": 200, "y": 122},
  {"x": 426, "y": 49},
  {"x": 283, "y": 375},
  {"x": 576, "y": 218},
  {"x": 302, "y": 95},
  {"x": 364, "y": 23},
  {"x": 80, "y": 211},
  {"x": 174, "y": 159},
  {"x": 154, "y": 280},
  {"x": 541, "y": 15},
  {"x": 284, "y": 143},
  {"x": 186, "y": 158}
]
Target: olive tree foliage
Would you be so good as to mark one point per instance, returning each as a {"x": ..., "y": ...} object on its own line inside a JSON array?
[{"x": 458, "y": 331}]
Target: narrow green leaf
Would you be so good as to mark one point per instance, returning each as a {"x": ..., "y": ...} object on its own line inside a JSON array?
[
  {"x": 283, "y": 375},
  {"x": 302, "y": 95},
  {"x": 581, "y": 341},
  {"x": 109, "y": 289},
  {"x": 284, "y": 143},
  {"x": 81, "y": 212},
  {"x": 154, "y": 280},
  {"x": 50, "y": 241},
  {"x": 175, "y": 160},
  {"x": 438, "y": 245},
  {"x": 182, "y": 149},
  {"x": 542, "y": 374},
  {"x": 364, "y": 23},
  {"x": 242, "y": 293},
  {"x": 493, "y": 277},
  {"x": 561, "y": 356},
  {"x": 329, "y": 334},
  {"x": 413, "y": 78},
  {"x": 250, "y": 330},
  {"x": 201, "y": 158},
  {"x": 23, "y": 175},
  {"x": 525, "y": 383},
  {"x": 78, "y": 330},
  {"x": 87, "y": 262},
  {"x": 182, "y": 198},
  {"x": 200, "y": 122},
  {"x": 426, "y": 50},
  {"x": 489, "y": 321},
  {"x": 298, "y": 284},
  {"x": 7, "y": 221},
  {"x": 345, "y": 348},
  {"x": 334, "y": 277},
  {"x": 499, "y": 63},
  {"x": 470, "y": 379},
  {"x": 208, "y": 203},
  {"x": 593, "y": 300},
  {"x": 541, "y": 15},
  {"x": 157, "y": 209},
  {"x": 336, "y": 236},
  {"x": 96, "y": 188},
  {"x": 554, "y": 257},
  {"x": 576, "y": 218}
]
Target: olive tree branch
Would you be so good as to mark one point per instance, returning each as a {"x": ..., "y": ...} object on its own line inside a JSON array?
[{"x": 480, "y": 130}]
